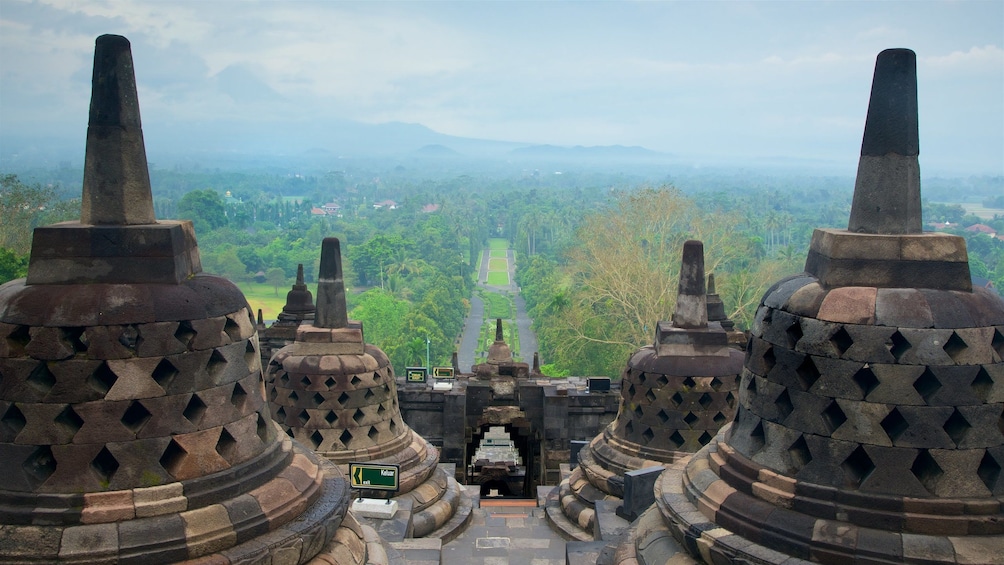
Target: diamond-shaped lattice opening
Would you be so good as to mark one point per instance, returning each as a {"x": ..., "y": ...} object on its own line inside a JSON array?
[
  {"x": 794, "y": 333},
  {"x": 343, "y": 398},
  {"x": 345, "y": 437},
  {"x": 303, "y": 417},
  {"x": 369, "y": 394},
  {"x": 769, "y": 360},
  {"x": 720, "y": 419},
  {"x": 273, "y": 393},
  {"x": 195, "y": 410},
  {"x": 705, "y": 438},
  {"x": 393, "y": 426},
  {"x": 898, "y": 345},
  {"x": 129, "y": 337},
  {"x": 69, "y": 420},
  {"x": 105, "y": 465},
  {"x": 226, "y": 446},
  {"x": 185, "y": 333},
  {"x": 13, "y": 421},
  {"x": 284, "y": 379},
  {"x": 102, "y": 379},
  {"x": 648, "y": 435},
  {"x": 280, "y": 414},
  {"x": 689, "y": 383},
  {"x": 757, "y": 439},
  {"x": 316, "y": 438},
  {"x": 19, "y": 338},
  {"x": 841, "y": 341},
  {"x": 331, "y": 417},
  {"x": 641, "y": 377},
  {"x": 232, "y": 329},
  {"x": 318, "y": 399},
  {"x": 833, "y": 416},
  {"x": 691, "y": 419},
  {"x": 716, "y": 384},
  {"x": 631, "y": 390},
  {"x": 957, "y": 427},
  {"x": 768, "y": 319},
  {"x": 799, "y": 452},
  {"x": 783, "y": 405},
  {"x": 982, "y": 384},
  {"x": 262, "y": 429},
  {"x": 988, "y": 471},
  {"x": 76, "y": 338},
  {"x": 663, "y": 417},
  {"x": 355, "y": 380},
  {"x": 927, "y": 470},
  {"x": 329, "y": 382},
  {"x": 164, "y": 373},
  {"x": 676, "y": 439},
  {"x": 238, "y": 397},
  {"x": 857, "y": 467},
  {"x": 955, "y": 346},
  {"x": 380, "y": 409},
  {"x": 638, "y": 412},
  {"x": 751, "y": 384},
  {"x": 250, "y": 355},
  {"x": 359, "y": 416},
  {"x": 894, "y": 424},
  {"x": 661, "y": 381},
  {"x": 173, "y": 457},
  {"x": 41, "y": 379},
  {"x": 217, "y": 363},
  {"x": 289, "y": 432},
  {"x": 807, "y": 373},
  {"x": 649, "y": 395},
  {"x": 730, "y": 400},
  {"x": 40, "y": 465},
  {"x": 676, "y": 399},
  {"x": 997, "y": 343},
  {"x": 293, "y": 397},
  {"x": 927, "y": 384},
  {"x": 705, "y": 400},
  {"x": 135, "y": 416},
  {"x": 305, "y": 381},
  {"x": 866, "y": 380},
  {"x": 629, "y": 428},
  {"x": 377, "y": 376},
  {"x": 373, "y": 433}
]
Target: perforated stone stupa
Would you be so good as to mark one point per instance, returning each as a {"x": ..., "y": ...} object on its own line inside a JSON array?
[
  {"x": 299, "y": 307},
  {"x": 675, "y": 396},
  {"x": 133, "y": 422},
  {"x": 870, "y": 424},
  {"x": 337, "y": 394}
]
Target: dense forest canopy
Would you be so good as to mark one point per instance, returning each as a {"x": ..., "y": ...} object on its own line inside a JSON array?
[{"x": 597, "y": 252}]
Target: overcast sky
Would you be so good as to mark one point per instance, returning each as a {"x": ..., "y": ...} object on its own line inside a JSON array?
[{"x": 729, "y": 79}]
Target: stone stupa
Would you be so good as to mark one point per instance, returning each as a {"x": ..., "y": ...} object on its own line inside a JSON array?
[
  {"x": 133, "y": 421},
  {"x": 675, "y": 396},
  {"x": 337, "y": 394},
  {"x": 299, "y": 308},
  {"x": 870, "y": 424}
]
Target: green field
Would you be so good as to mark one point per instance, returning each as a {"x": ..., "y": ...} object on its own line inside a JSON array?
[
  {"x": 496, "y": 305},
  {"x": 498, "y": 278},
  {"x": 498, "y": 253},
  {"x": 263, "y": 296},
  {"x": 495, "y": 264},
  {"x": 498, "y": 243}
]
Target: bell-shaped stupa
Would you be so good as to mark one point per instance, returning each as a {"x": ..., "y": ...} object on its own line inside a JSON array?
[
  {"x": 133, "y": 421},
  {"x": 675, "y": 396},
  {"x": 299, "y": 307},
  {"x": 334, "y": 392},
  {"x": 869, "y": 427}
]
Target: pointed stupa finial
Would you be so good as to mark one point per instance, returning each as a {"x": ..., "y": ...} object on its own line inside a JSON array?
[
  {"x": 536, "y": 363},
  {"x": 116, "y": 187},
  {"x": 691, "y": 300},
  {"x": 887, "y": 188},
  {"x": 331, "y": 309},
  {"x": 299, "y": 276},
  {"x": 711, "y": 284},
  {"x": 455, "y": 362},
  {"x": 498, "y": 330},
  {"x": 261, "y": 318}
]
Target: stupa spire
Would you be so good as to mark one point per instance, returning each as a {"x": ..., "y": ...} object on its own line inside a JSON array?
[
  {"x": 116, "y": 183},
  {"x": 887, "y": 189},
  {"x": 331, "y": 310},
  {"x": 691, "y": 300}
]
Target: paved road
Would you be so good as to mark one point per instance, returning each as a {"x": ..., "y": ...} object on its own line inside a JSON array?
[{"x": 472, "y": 327}]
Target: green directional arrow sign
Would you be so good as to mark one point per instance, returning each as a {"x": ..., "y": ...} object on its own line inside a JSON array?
[{"x": 374, "y": 476}]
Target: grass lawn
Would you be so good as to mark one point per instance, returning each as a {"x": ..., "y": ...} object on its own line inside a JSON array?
[
  {"x": 496, "y": 305},
  {"x": 497, "y": 253},
  {"x": 495, "y": 264},
  {"x": 498, "y": 243},
  {"x": 497, "y": 278},
  {"x": 263, "y": 296}
]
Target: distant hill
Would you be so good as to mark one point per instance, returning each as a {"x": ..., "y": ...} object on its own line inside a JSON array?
[
  {"x": 436, "y": 150},
  {"x": 596, "y": 151}
]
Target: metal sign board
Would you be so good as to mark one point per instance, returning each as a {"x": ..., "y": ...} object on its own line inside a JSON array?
[
  {"x": 416, "y": 374},
  {"x": 374, "y": 476},
  {"x": 442, "y": 372}
]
